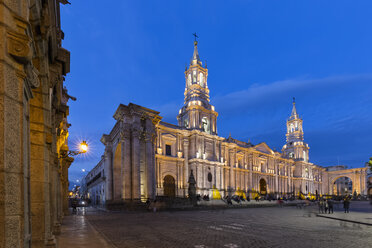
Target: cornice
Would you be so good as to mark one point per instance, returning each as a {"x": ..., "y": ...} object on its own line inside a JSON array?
[
  {"x": 169, "y": 158},
  {"x": 204, "y": 161}
]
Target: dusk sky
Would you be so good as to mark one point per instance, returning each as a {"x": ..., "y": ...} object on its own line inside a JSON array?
[{"x": 260, "y": 54}]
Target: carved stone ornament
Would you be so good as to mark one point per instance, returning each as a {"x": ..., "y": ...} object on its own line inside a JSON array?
[
  {"x": 149, "y": 136},
  {"x": 125, "y": 135},
  {"x": 32, "y": 75},
  {"x": 18, "y": 47},
  {"x": 136, "y": 131}
]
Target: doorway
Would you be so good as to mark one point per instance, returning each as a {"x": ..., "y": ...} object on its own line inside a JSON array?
[
  {"x": 169, "y": 185},
  {"x": 263, "y": 187}
]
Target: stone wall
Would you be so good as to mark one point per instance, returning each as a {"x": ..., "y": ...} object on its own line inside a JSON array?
[{"x": 33, "y": 124}]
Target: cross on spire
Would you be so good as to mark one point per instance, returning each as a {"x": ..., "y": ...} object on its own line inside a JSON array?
[{"x": 195, "y": 36}]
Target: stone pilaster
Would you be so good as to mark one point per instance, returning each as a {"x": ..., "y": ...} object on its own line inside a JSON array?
[
  {"x": 276, "y": 172},
  {"x": 150, "y": 160},
  {"x": 108, "y": 171},
  {"x": 126, "y": 169},
  {"x": 186, "y": 163},
  {"x": 136, "y": 174}
]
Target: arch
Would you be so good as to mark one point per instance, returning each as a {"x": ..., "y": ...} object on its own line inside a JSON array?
[
  {"x": 169, "y": 185},
  {"x": 340, "y": 185},
  {"x": 116, "y": 174},
  {"x": 263, "y": 186}
]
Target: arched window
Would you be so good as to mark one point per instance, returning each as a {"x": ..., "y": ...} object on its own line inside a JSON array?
[
  {"x": 189, "y": 79},
  {"x": 201, "y": 78},
  {"x": 186, "y": 123},
  {"x": 205, "y": 124},
  {"x": 194, "y": 77}
]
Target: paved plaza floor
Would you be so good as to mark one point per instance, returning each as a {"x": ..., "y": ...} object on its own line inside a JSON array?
[{"x": 246, "y": 227}]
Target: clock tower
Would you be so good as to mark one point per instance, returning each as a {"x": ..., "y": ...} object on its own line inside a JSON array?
[
  {"x": 295, "y": 147},
  {"x": 197, "y": 113}
]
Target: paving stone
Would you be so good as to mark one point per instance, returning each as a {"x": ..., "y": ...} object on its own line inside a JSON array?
[{"x": 253, "y": 227}]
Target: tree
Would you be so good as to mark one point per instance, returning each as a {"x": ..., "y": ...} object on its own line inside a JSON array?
[{"x": 370, "y": 163}]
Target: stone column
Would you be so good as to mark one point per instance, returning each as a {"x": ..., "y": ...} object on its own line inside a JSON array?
[
  {"x": 65, "y": 164},
  {"x": 250, "y": 167},
  {"x": 276, "y": 172},
  {"x": 126, "y": 163},
  {"x": 136, "y": 174},
  {"x": 186, "y": 164},
  {"x": 150, "y": 159},
  {"x": 55, "y": 195},
  {"x": 108, "y": 172},
  {"x": 232, "y": 165}
]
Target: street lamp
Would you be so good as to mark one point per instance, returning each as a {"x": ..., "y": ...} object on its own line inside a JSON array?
[{"x": 83, "y": 149}]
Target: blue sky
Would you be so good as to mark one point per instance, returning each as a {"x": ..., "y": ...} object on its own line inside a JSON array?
[{"x": 260, "y": 54}]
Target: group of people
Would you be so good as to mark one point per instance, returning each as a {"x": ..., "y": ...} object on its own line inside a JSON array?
[
  {"x": 327, "y": 205},
  {"x": 236, "y": 198}
]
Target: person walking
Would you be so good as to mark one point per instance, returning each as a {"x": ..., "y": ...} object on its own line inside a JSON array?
[
  {"x": 346, "y": 204},
  {"x": 321, "y": 206},
  {"x": 330, "y": 206}
]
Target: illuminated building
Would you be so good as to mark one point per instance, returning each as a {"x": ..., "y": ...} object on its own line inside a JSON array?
[{"x": 145, "y": 157}]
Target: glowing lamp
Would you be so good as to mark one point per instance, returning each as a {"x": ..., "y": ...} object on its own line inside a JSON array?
[{"x": 84, "y": 146}]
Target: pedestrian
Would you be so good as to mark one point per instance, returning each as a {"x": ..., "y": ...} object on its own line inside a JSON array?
[
  {"x": 154, "y": 206},
  {"x": 346, "y": 204},
  {"x": 326, "y": 206},
  {"x": 321, "y": 206},
  {"x": 74, "y": 205},
  {"x": 330, "y": 206},
  {"x": 148, "y": 204},
  {"x": 280, "y": 202}
]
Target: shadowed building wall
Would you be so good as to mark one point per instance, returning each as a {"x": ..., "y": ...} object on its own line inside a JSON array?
[{"x": 33, "y": 123}]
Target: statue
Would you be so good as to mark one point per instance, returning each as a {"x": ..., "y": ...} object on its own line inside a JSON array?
[{"x": 192, "y": 189}]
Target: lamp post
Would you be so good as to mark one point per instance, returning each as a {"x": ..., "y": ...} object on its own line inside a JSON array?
[{"x": 83, "y": 149}]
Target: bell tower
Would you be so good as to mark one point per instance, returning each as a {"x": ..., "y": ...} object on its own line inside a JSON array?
[
  {"x": 295, "y": 147},
  {"x": 197, "y": 113}
]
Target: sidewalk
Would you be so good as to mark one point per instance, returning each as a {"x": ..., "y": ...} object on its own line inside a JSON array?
[
  {"x": 354, "y": 217},
  {"x": 77, "y": 232},
  {"x": 360, "y": 213}
]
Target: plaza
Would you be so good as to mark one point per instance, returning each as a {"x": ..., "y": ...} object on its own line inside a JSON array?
[{"x": 232, "y": 227}]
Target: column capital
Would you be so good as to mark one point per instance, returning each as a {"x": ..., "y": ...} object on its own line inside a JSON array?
[
  {"x": 148, "y": 136},
  {"x": 136, "y": 131}
]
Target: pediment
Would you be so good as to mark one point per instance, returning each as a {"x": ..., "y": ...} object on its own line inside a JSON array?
[
  {"x": 169, "y": 136},
  {"x": 263, "y": 147}
]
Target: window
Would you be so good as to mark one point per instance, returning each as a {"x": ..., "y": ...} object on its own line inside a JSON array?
[
  {"x": 186, "y": 123},
  {"x": 205, "y": 124},
  {"x": 168, "y": 150}
]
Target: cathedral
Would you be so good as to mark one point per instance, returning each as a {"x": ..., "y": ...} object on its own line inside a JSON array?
[{"x": 146, "y": 157}]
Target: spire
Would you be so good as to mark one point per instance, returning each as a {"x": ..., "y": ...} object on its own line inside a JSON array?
[
  {"x": 294, "y": 114},
  {"x": 195, "y": 57}
]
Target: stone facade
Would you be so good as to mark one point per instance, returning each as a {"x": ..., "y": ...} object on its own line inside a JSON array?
[
  {"x": 33, "y": 124},
  {"x": 145, "y": 157}
]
